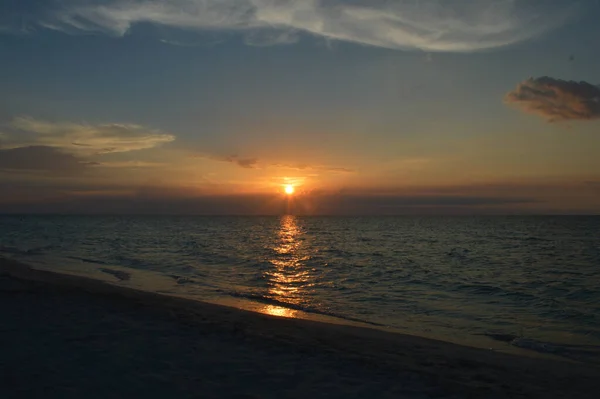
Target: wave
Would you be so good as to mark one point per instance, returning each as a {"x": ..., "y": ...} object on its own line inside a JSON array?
[
  {"x": 481, "y": 289},
  {"x": 87, "y": 260},
  {"x": 494, "y": 291},
  {"x": 587, "y": 353},
  {"x": 119, "y": 274},
  {"x": 27, "y": 252},
  {"x": 303, "y": 308}
]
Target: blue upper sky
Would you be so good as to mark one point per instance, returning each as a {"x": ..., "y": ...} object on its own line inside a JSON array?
[{"x": 467, "y": 106}]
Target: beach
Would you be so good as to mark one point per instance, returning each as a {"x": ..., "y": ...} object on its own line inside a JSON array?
[{"x": 69, "y": 336}]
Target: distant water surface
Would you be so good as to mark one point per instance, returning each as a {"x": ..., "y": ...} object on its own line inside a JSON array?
[{"x": 533, "y": 282}]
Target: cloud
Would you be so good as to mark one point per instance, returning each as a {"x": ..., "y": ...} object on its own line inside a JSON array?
[
  {"x": 83, "y": 139},
  {"x": 399, "y": 201},
  {"x": 431, "y": 25},
  {"x": 246, "y": 163},
  {"x": 85, "y": 196},
  {"x": 556, "y": 99},
  {"x": 38, "y": 158},
  {"x": 255, "y": 163},
  {"x": 160, "y": 201},
  {"x": 595, "y": 184}
]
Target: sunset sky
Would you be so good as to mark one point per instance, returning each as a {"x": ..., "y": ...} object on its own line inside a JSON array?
[{"x": 364, "y": 107}]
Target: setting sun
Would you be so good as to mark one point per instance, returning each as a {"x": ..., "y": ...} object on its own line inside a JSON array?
[{"x": 289, "y": 189}]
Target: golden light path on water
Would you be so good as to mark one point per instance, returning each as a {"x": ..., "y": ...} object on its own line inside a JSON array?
[{"x": 288, "y": 278}]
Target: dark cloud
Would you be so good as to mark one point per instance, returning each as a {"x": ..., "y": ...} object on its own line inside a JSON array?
[
  {"x": 556, "y": 99},
  {"x": 40, "y": 158},
  {"x": 396, "y": 204},
  {"x": 83, "y": 196},
  {"x": 162, "y": 201},
  {"x": 248, "y": 163},
  {"x": 593, "y": 184},
  {"x": 255, "y": 163},
  {"x": 390, "y": 201}
]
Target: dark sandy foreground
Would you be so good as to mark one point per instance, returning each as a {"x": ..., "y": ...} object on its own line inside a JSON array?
[{"x": 70, "y": 337}]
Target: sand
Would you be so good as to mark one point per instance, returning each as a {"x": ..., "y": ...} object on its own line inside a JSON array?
[{"x": 71, "y": 337}]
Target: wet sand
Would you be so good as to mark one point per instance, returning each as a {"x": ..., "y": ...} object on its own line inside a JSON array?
[{"x": 64, "y": 336}]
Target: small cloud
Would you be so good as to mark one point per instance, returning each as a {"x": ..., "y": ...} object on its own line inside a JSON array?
[
  {"x": 179, "y": 43},
  {"x": 556, "y": 99},
  {"x": 255, "y": 163},
  {"x": 246, "y": 163},
  {"x": 85, "y": 139},
  {"x": 334, "y": 169}
]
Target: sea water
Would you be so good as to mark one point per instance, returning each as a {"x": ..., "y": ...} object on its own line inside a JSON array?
[{"x": 533, "y": 282}]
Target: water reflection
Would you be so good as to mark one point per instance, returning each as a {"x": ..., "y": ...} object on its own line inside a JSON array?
[
  {"x": 279, "y": 311},
  {"x": 289, "y": 278}
]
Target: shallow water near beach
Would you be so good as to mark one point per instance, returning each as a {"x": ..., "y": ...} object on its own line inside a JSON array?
[{"x": 529, "y": 282}]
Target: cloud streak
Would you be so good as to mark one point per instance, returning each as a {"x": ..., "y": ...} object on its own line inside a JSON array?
[
  {"x": 431, "y": 25},
  {"x": 83, "y": 139},
  {"x": 255, "y": 163},
  {"x": 556, "y": 99},
  {"x": 246, "y": 163}
]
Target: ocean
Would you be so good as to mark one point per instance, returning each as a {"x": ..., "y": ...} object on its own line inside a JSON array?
[{"x": 526, "y": 282}]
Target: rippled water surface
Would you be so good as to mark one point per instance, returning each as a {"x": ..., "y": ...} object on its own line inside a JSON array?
[{"x": 536, "y": 278}]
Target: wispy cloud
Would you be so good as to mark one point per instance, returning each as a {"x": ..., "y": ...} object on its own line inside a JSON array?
[
  {"x": 246, "y": 163},
  {"x": 255, "y": 163},
  {"x": 432, "y": 25},
  {"x": 83, "y": 139},
  {"x": 556, "y": 99}
]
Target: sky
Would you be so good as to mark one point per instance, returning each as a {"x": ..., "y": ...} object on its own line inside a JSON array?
[{"x": 364, "y": 107}]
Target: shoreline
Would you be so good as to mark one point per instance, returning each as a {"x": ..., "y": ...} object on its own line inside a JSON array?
[
  {"x": 449, "y": 368},
  {"x": 168, "y": 285}
]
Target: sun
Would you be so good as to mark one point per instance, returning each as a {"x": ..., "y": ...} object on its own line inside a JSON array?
[{"x": 289, "y": 189}]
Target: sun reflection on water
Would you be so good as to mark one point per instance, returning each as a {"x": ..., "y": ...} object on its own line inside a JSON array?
[
  {"x": 289, "y": 278},
  {"x": 279, "y": 311}
]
